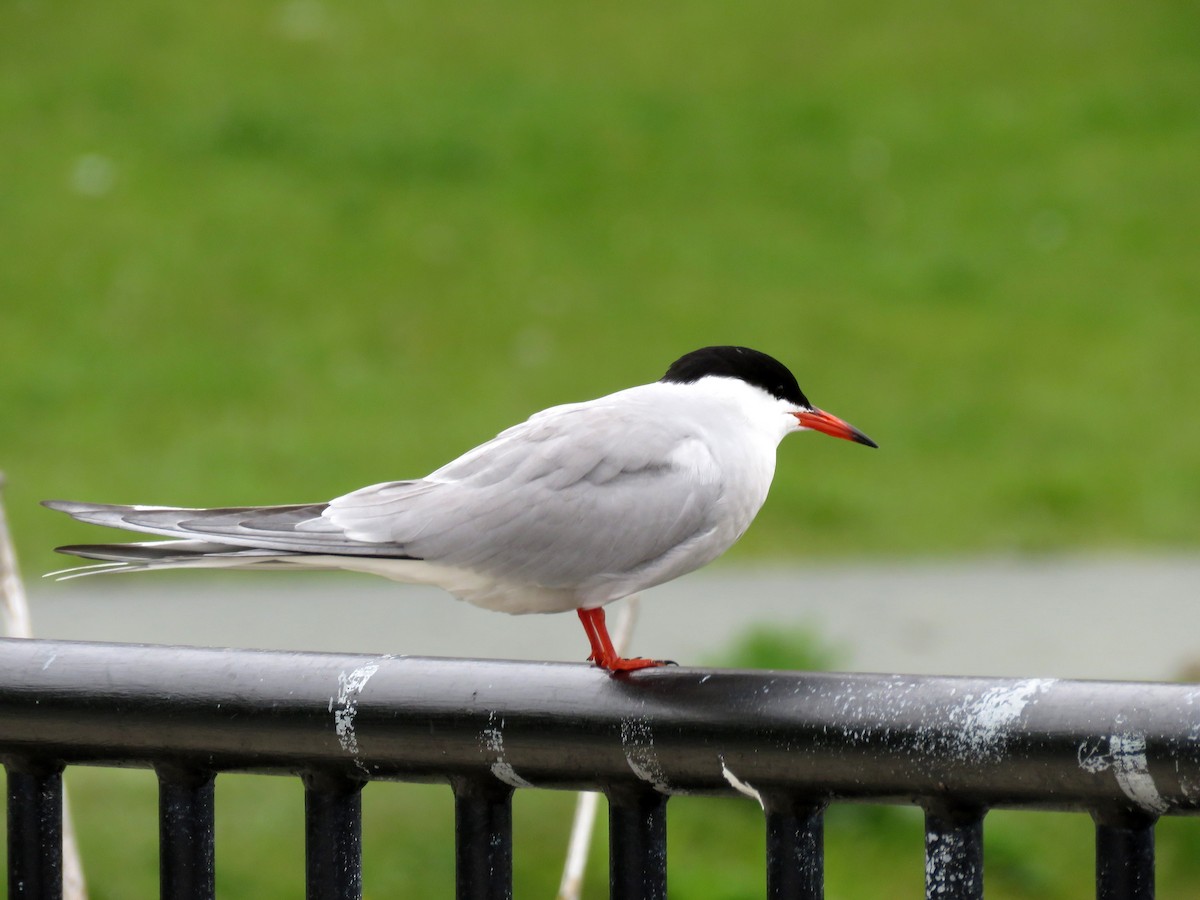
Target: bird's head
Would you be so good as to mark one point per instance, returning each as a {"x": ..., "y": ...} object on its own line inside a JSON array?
[{"x": 768, "y": 375}]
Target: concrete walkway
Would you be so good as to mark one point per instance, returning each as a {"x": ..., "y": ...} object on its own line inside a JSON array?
[{"x": 1119, "y": 618}]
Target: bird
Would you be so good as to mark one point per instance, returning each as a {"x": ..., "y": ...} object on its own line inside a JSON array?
[{"x": 578, "y": 506}]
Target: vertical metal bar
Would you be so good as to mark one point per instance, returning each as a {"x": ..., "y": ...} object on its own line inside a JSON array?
[
  {"x": 954, "y": 853},
  {"x": 332, "y": 837},
  {"x": 35, "y": 832},
  {"x": 795, "y": 848},
  {"x": 185, "y": 834},
  {"x": 482, "y": 839},
  {"x": 637, "y": 845},
  {"x": 1125, "y": 858}
]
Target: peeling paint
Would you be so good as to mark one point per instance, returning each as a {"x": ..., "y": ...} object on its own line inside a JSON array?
[
  {"x": 637, "y": 741},
  {"x": 1132, "y": 769},
  {"x": 1187, "y": 784},
  {"x": 1094, "y": 757},
  {"x": 492, "y": 739},
  {"x": 987, "y": 720},
  {"x": 740, "y": 786},
  {"x": 944, "y": 872},
  {"x": 1125, "y": 755},
  {"x": 349, "y": 687}
]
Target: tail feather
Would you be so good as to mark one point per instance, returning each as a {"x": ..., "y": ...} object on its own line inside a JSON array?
[
  {"x": 298, "y": 528},
  {"x": 154, "y": 551},
  {"x": 183, "y": 554}
]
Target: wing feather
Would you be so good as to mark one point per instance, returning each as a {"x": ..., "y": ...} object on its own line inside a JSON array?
[{"x": 572, "y": 494}]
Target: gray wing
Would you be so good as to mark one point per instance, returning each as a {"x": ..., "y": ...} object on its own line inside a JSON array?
[{"x": 573, "y": 493}]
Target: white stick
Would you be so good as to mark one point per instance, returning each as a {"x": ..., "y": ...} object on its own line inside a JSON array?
[
  {"x": 12, "y": 592},
  {"x": 15, "y": 608},
  {"x": 74, "y": 884},
  {"x": 577, "y": 849},
  {"x": 571, "y": 885}
]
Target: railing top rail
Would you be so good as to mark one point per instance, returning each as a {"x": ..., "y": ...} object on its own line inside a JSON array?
[{"x": 1109, "y": 747}]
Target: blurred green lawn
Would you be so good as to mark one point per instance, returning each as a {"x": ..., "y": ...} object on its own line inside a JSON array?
[{"x": 262, "y": 253}]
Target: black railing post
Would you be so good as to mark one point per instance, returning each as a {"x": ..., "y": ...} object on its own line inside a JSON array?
[
  {"x": 637, "y": 844},
  {"x": 34, "y": 831},
  {"x": 482, "y": 839},
  {"x": 332, "y": 837},
  {"x": 185, "y": 834},
  {"x": 1124, "y": 857},
  {"x": 954, "y": 853},
  {"x": 795, "y": 847}
]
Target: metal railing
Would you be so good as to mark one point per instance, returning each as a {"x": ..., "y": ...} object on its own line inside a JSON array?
[{"x": 1127, "y": 753}]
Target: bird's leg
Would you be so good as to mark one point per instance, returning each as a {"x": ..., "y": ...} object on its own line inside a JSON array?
[{"x": 603, "y": 653}]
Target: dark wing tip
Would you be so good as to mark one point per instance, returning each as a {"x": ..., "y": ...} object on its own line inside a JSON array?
[
  {"x": 119, "y": 552},
  {"x": 84, "y": 550}
]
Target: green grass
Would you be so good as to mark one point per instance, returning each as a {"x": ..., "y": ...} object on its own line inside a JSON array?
[{"x": 269, "y": 253}]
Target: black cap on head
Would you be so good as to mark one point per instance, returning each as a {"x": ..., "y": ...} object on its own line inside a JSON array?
[{"x": 750, "y": 366}]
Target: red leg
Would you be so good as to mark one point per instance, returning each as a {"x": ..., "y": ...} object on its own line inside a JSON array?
[{"x": 603, "y": 653}]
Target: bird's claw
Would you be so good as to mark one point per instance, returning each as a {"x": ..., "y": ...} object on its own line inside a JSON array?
[{"x": 631, "y": 664}]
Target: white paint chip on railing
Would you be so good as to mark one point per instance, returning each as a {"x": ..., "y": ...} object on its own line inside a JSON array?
[
  {"x": 350, "y": 685},
  {"x": 493, "y": 743},
  {"x": 637, "y": 740},
  {"x": 740, "y": 786}
]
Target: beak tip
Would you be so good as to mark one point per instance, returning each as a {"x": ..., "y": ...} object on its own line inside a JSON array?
[{"x": 819, "y": 420}]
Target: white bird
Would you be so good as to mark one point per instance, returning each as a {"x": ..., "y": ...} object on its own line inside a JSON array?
[{"x": 578, "y": 506}]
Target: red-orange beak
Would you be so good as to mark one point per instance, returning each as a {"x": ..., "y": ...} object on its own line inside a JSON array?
[{"x": 819, "y": 420}]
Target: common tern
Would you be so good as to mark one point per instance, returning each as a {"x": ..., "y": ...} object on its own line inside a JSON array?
[{"x": 578, "y": 506}]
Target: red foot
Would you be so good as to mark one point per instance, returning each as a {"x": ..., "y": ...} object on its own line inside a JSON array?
[{"x": 603, "y": 653}]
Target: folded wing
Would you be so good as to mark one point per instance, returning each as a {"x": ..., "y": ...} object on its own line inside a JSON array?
[
  {"x": 575, "y": 494},
  {"x": 567, "y": 496}
]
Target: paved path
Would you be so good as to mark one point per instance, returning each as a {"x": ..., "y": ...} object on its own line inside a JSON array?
[{"x": 1123, "y": 618}]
